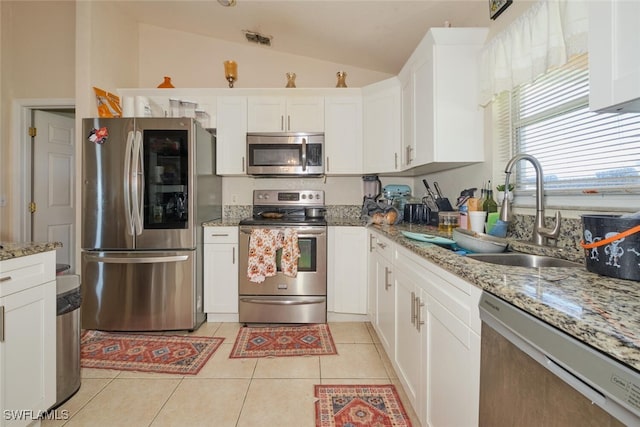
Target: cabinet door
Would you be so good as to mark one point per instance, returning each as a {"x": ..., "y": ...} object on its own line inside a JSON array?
[
  {"x": 220, "y": 270},
  {"x": 408, "y": 122},
  {"x": 343, "y": 135},
  {"x": 305, "y": 114},
  {"x": 614, "y": 63},
  {"x": 408, "y": 354},
  {"x": 452, "y": 369},
  {"x": 28, "y": 352},
  {"x": 266, "y": 114},
  {"x": 231, "y": 135},
  {"x": 386, "y": 303},
  {"x": 347, "y": 270},
  {"x": 381, "y": 126}
]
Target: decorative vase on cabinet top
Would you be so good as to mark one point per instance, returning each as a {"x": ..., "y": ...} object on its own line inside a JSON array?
[{"x": 166, "y": 83}]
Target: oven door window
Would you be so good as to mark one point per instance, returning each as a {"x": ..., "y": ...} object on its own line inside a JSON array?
[{"x": 308, "y": 251}]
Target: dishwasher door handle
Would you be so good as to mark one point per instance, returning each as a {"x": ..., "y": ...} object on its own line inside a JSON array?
[
  {"x": 594, "y": 395},
  {"x": 282, "y": 301}
]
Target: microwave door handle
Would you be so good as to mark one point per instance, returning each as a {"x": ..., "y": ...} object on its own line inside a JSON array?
[
  {"x": 304, "y": 154},
  {"x": 127, "y": 184}
]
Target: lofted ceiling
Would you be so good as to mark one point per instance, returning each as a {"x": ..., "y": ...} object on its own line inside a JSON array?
[{"x": 377, "y": 35}]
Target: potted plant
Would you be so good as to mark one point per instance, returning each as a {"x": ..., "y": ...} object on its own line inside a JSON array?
[{"x": 501, "y": 192}]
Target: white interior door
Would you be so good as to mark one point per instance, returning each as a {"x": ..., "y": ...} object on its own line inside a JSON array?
[{"x": 53, "y": 182}]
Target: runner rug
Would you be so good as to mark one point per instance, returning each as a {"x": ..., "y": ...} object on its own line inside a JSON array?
[
  {"x": 170, "y": 354},
  {"x": 359, "y": 406},
  {"x": 307, "y": 340}
]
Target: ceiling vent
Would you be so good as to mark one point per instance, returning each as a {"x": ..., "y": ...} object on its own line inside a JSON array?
[{"x": 255, "y": 37}]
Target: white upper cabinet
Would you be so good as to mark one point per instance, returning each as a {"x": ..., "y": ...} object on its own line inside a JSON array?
[
  {"x": 442, "y": 123},
  {"x": 343, "y": 135},
  {"x": 231, "y": 135},
  {"x": 614, "y": 59},
  {"x": 381, "y": 126},
  {"x": 285, "y": 114}
]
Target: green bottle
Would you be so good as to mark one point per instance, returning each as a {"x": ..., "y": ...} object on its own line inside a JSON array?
[{"x": 489, "y": 204}]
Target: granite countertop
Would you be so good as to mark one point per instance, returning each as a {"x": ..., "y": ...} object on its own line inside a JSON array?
[
  {"x": 331, "y": 221},
  {"x": 10, "y": 250},
  {"x": 600, "y": 311}
]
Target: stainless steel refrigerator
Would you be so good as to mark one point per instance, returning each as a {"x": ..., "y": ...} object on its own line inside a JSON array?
[{"x": 147, "y": 186}]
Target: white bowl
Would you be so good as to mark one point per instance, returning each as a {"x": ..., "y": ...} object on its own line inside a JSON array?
[{"x": 478, "y": 242}]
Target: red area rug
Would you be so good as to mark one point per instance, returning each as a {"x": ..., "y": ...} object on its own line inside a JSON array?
[
  {"x": 307, "y": 340},
  {"x": 359, "y": 406},
  {"x": 170, "y": 354}
]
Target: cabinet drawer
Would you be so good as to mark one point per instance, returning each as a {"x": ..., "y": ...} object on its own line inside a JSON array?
[
  {"x": 383, "y": 246},
  {"x": 221, "y": 235},
  {"x": 26, "y": 272}
]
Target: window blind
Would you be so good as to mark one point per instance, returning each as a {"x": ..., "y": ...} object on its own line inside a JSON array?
[{"x": 580, "y": 151}]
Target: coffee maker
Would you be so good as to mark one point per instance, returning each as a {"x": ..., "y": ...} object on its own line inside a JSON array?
[{"x": 372, "y": 189}]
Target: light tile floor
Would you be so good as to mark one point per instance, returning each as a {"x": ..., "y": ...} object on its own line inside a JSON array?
[{"x": 231, "y": 392}]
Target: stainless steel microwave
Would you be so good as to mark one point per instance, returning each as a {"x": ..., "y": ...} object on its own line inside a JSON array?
[{"x": 285, "y": 154}]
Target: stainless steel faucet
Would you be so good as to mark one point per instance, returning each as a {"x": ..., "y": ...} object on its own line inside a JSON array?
[{"x": 540, "y": 233}]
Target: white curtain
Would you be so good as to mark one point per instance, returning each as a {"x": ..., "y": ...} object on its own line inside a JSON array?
[{"x": 544, "y": 37}]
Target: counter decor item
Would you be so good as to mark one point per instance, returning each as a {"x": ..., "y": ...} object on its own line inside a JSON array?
[
  {"x": 230, "y": 71},
  {"x": 478, "y": 242},
  {"x": 476, "y": 221},
  {"x": 291, "y": 80},
  {"x": 342, "y": 79},
  {"x": 166, "y": 83},
  {"x": 611, "y": 245}
]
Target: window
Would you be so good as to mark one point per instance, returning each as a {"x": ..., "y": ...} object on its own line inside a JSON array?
[{"x": 581, "y": 152}]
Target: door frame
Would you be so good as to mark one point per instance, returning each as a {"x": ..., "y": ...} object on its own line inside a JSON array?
[{"x": 22, "y": 110}]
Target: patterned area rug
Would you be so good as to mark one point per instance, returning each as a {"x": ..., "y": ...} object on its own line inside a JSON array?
[
  {"x": 359, "y": 406},
  {"x": 171, "y": 354},
  {"x": 307, "y": 340}
]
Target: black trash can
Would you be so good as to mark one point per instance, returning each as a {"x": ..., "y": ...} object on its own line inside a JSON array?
[{"x": 67, "y": 337}]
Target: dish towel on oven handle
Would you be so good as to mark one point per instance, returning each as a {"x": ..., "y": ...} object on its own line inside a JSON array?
[{"x": 263, "y": 244}]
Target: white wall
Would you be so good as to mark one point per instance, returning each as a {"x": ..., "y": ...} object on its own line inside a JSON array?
[
  {"x": 195, "y": 61},
  {"x": 37, "y": 60}
]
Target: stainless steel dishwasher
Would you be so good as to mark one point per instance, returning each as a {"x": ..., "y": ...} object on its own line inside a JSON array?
[{"x": 532, "y": 374}]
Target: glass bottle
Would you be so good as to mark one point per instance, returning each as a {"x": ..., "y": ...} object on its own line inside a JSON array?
[
  {"x": 490, "y": 204},
  {"x": 166, "y": 83}
]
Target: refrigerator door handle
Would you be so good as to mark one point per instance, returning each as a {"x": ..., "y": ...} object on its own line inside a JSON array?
[
  {"x": 137, "y": 260},
  {"x": 137, "y": 183},
  {"x": 127, "y": 184}
]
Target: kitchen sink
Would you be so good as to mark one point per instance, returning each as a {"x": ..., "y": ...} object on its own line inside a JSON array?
[{"x": 518, "y": 259}]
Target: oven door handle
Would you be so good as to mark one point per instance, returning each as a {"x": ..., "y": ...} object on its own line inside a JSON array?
[
  {"x": 305, "y": 233},
  {"x": 282, "y": 302}
]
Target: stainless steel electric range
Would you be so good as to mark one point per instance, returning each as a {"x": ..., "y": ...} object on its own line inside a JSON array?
[{"x": 281, "y": 298}]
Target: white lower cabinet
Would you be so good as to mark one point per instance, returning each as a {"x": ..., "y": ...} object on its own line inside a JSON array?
[
  {"x": 347, "y": 270},
  {"x": 434, "y": 345},
  {"x": 220, "y": 273},
  {"x": 384, "y": 322},
  {"x": 27, "y": 337}
]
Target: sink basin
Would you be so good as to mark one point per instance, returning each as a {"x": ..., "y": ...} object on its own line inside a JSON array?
[{"x": 524, "y": 260}]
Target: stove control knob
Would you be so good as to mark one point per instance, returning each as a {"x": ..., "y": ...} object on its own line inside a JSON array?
[
  {"x": 304, "y": 196},
  {"x": 317, "y": 196}
]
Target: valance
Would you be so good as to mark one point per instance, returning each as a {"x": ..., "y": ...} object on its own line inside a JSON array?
[{"x": 546, "y": 36}]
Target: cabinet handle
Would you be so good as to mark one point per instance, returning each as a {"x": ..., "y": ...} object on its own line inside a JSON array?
[
  {"x": 371, "y": 237},
  {"x": 395, "y": 160},
  {"x": 1, "y": 323},
  {"x": 408, "y": 149},
  {"x": 387, "y": 285},
  {"x": 327, "y": 164},
  {"x": 419, "y": 321},
  {"x": 219, "y": 235},
  {"x": 233, "y": 255},
  {"x": 288, "y": 122},
  {"x": 413, "y": 308},
  {"x": 281, "y": 122},
  {"x": 5, "y": 278},
  {"x": 243, "y": 162}
]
